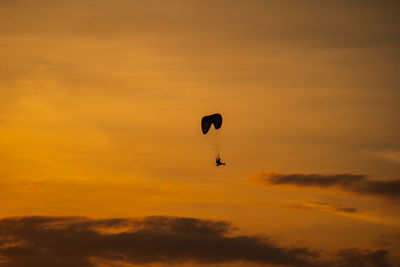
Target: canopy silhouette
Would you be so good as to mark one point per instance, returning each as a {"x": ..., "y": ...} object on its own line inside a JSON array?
[{"x": 208, "y": 121}]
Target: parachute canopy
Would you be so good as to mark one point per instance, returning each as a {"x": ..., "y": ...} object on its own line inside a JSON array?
[{"x": 207, "y": 121}]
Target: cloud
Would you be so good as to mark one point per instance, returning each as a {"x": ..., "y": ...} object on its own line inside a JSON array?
[
  {"x": 83, "y": 242},
  {"x": 364, "y": 258},
  {"x": 359, "y": 184},
  {"x": 76, "y": 241},
  {"x": 389, "y": 155},
  {"x": 324, "y": 206}
]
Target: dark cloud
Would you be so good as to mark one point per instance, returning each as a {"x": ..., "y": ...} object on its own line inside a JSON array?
[
  {"x": 73, "y": 241},
  {"x": 364, "y": 258},
  {"x": 79, "y": 242},
  {"x": 315, "y": 179},
  {"x": 359, "y": 184}
]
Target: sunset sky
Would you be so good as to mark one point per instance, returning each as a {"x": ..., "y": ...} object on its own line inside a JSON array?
[{"x": 102, "y": 158}]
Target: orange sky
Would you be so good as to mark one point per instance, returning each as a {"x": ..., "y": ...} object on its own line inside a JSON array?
[{"x": 102, "y": 102}]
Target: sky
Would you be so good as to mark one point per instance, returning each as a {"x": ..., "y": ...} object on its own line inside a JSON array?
[{"x": 102, "y": 158}]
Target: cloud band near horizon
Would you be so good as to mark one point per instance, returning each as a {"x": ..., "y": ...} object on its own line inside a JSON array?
[{"x": 81, "y": 242}]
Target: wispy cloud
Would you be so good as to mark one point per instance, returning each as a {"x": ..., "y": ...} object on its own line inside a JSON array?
[
  {"x": 324, "y": 206},
  {"x": 388, "y": 154},
  {"x": 355, "y": 183},
  {"x": 344, "y": 210}
]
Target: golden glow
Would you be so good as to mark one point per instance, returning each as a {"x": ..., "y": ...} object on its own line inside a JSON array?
[{"x": 100, "y": 112}]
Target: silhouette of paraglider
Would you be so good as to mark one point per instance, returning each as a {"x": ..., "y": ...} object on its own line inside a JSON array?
[{"x": 206, "y": 123}]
